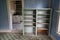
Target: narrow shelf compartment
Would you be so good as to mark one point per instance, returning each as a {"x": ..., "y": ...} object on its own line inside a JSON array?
[
  {"x": 43, "y": 17},
  {"x": 28, "y": 15},
  {"x": 43, "y": 21},
  {"x": 42, "y": 26},
  {"x": 28, "y": 23},
  {"x": 28, "y": 31},
  {"x": 28, "y": 12}
]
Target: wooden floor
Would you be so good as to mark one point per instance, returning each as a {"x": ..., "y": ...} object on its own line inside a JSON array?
[{"x": 18, "y": 36}]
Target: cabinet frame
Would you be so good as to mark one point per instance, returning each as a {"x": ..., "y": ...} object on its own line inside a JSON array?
[{"x": 36, "y": 17}]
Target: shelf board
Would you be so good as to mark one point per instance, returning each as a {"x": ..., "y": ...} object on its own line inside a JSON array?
[
  {"x": 41, "y": 28},
  {"x": 29, "y": 26},
  {"x": 29, "y": 22},
  {"x": 43, "y": 18},
  {"x": 29, "y": 18},
  {"x": 29, "y": 14},
  {"x": 42, "y": 9},
  {"x": 37, "y": 9},
  {"x": 43, "y": 14},
  {"x": 42, "y": 23}
]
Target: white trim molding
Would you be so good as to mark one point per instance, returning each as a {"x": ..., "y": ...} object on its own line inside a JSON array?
[
  {"x": 2, "y": 31},
  {"x": 9, "y": 18},
  {"x": 9, "y": 15}
]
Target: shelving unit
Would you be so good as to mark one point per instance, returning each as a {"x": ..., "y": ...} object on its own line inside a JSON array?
[
  {"x": 29, "y": 21},
  {"x": 34, "y": 21},
  {"x": 38, "y": 20},
  {"x": 43, "y": 21}
]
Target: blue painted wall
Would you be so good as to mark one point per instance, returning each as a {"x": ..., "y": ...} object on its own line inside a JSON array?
[
  {"x": 55, "y": 5},
  {"x": 3, "y": 15},
  {"x": 36, "y": 3}
]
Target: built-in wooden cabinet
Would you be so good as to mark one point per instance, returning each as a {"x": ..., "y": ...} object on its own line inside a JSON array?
[{"x": 37, "y": 21}]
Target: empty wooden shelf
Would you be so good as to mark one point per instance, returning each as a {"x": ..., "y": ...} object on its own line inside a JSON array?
[{"x": 41, "y": 28}]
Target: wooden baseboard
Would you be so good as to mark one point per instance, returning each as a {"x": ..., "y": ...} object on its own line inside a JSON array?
[
  {"x": 3, "y": 31},
  {"x": 9, "y": 31},
  {"x": 52, "y": 37}
]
